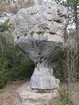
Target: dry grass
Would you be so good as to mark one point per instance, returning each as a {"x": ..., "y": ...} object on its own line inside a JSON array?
[
  {"x": 74, "y": 95},
  {"x": 8, "y": 7}
]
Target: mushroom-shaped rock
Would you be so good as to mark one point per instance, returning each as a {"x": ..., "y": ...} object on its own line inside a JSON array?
[{"x": 39, "y": 32}]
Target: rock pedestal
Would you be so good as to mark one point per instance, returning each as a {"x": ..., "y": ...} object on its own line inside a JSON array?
[
  {"x": 39, "y": 32},
  {"x": 42, "y": 79}
]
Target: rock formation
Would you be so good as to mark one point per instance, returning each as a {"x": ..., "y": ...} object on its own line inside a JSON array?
[{"x": 39, "y": 32}]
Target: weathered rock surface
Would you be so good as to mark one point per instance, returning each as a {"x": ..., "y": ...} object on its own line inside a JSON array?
[
  {"x": 30, "y": 97},
  {"x": 4, "y": 16},
  {"x": 39, "y": 33}
]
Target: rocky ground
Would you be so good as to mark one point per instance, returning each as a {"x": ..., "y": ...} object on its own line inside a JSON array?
[
  {"x": 75, "y": 93},
  {"x": 8, "y": 95}
]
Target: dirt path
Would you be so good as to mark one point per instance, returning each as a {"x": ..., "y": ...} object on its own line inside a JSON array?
[
  {"x": 8, "y": 95},
  {"x": 75, "y": 94}
]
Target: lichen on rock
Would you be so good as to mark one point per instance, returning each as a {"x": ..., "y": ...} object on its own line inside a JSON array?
[{"x": 39, "y": 32}]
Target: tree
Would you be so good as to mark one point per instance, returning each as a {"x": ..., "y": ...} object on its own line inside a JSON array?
[
  {"x": 72, "y": 59},
  {"x": 72, "y": 52}
]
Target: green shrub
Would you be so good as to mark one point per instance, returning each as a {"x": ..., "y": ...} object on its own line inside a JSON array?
[
  {"x": 63, "y": 100},
  {"x": 4, "y": 26},
  {"x": 3, "y": 78},
  {"x": 63, "y": 94},
  {"x": 13, "y": 64},
  {"x": 60, "y": 70}
]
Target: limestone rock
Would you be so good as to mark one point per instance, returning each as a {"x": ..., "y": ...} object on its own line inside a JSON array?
[
  {"x": 39, "y": 32},
  {"x": 4, "y": 16},
  {"x": 30, "y": 97}
]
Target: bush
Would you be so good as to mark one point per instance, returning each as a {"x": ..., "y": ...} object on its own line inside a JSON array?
[
  {"x": 3, "y": 78},
  {"x": 13, "y": 64},
  {"x": 4, "y": 27},
  {"x": 60, "y": 70},
  {"x": 63, "y": 100}
]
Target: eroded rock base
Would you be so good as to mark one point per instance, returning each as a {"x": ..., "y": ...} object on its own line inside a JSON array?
[
  {"x": 43, "y": 79},
  {"x": 34, "y": 97}
]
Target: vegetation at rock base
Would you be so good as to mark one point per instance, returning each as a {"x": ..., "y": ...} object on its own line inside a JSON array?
[
  {"x": 63, "y": 99},
  {"x": 4, "y": 26},
  {"x": 13, "y": 64}
]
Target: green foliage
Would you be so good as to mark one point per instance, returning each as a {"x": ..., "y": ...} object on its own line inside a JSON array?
[
  {"x": 3, "y": 78},
  {"x": 67, "y": 65},
  {"x": 63, "y": 100},
  {"x": 63, "y": 94},
  {"x": 4, "y": 26},
  {"x": 71, "y": 2},
  {"x": 60, "y": 69},
  {"x": 13, "y": 64}
]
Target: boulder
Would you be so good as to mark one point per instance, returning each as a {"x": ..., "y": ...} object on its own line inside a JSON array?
[{"x": 39, "y": 32}]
